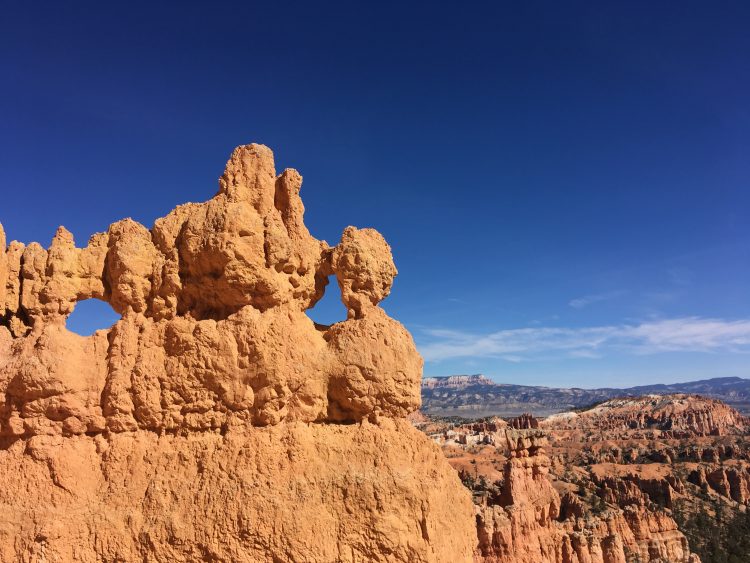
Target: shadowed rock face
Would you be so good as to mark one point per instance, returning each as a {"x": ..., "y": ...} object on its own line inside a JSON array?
[{"x": 214, "y": 374}]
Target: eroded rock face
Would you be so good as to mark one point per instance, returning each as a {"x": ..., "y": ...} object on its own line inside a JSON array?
[
  {"x": 216, "y": 376},
  {"x": 214, "y": 330},
  {"x": 530, "y": 522},
  {"x": 523, "y": 422},
  {"x": 730, "y": 482},
  {"x": 669, "y": 416}
]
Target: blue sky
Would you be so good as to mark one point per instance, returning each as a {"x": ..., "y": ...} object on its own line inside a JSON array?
[{"x": 564, "y": 185}]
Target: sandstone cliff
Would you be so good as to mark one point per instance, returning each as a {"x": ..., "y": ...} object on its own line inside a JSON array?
[{"x": 215, "y": 421}]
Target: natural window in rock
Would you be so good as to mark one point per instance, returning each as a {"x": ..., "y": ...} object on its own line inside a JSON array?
[
  {"x": 329, "y": 310},
  {"x": 91, "y": 315}
]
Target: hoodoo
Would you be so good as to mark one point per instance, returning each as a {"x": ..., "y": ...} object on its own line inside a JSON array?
[{"x": 215, "y": 421}]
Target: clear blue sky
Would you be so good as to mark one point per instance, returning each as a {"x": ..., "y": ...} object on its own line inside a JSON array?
[{"x": 565, "y": 185}]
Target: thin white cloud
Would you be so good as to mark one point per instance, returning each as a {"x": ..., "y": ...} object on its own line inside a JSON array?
[
  {"x": 691, "y": 334},
  {"x": 687, "y": 334},
  {"x": 584, "y": 354},
  {"x": 586, "y": 300}
]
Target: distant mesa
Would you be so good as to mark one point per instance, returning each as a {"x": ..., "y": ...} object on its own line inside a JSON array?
[{"x": 455, "y": 381}]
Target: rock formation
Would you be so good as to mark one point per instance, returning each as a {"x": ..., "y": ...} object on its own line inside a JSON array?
[
  {"x": 523, "y": 422},
  {"x": 529, "y": 522},
  {"x": 666, "y": 462},
  {"x": 520, "y": 527},
  {"x": 729, "y": 482},
  {"x": 215, "y": 420},
  {"x": 669, "y": 416}
]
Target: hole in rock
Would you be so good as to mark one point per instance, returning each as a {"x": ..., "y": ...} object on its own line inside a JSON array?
[
  {"x": 329, "y": 310},
  {"x": 91, "y": 315}
]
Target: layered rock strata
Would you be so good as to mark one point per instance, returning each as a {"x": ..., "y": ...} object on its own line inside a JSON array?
[{"x": 215, "y": 420}]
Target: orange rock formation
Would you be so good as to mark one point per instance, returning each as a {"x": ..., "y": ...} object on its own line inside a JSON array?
[
  {"x": 530, "y": 523},
  {"x": 215, "y": 420}
]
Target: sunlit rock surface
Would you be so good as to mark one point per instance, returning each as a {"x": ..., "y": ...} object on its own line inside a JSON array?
[{"x": 215, "y": 421}]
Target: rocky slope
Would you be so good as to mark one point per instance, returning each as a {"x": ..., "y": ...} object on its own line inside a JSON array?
[
  {"x": 523, "y": 518},
  {"x": 648, "y": 479},
  {"x": 473, "y": 396},
  {"x": 670, "y": 416},
  {"x": 215, "y": 421},
  {"x": 686, "y": 455}
]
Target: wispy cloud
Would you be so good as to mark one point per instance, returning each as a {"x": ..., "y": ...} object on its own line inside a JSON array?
[
  {"x": 586, "y": 300},
  {"x": 686, "y": 334}
]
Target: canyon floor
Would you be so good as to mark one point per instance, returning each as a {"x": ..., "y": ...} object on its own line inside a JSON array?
[{"x": 652, "y": 478}]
